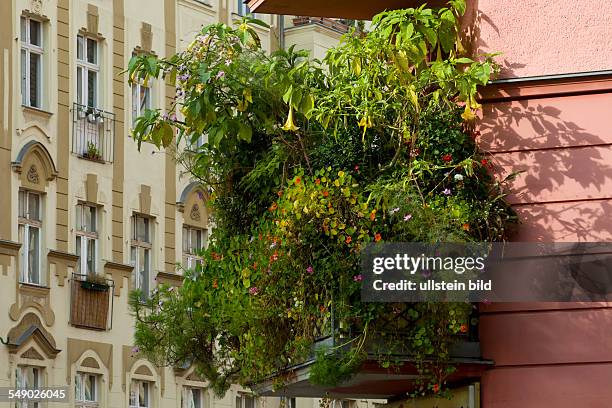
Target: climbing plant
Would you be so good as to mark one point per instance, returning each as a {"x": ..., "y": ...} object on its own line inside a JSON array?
[{"x": 307, "y": 162}]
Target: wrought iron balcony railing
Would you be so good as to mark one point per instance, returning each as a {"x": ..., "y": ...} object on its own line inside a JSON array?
[{"x": 93, "y": 133}]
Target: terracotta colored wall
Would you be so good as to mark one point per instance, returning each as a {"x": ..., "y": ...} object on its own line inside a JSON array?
[
  {"x": 543, "y": 37},
  {"x": 560, "y": 134}
]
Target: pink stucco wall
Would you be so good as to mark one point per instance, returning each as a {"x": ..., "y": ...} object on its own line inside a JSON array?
[
  {"x": 560, "y": 134},
  {"x": 543, "y": 37}
]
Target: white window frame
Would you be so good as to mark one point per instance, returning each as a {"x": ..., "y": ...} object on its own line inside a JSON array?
[
  {"x": 80, "y": 400},
  {"x": 86, "y": 66},
  {"x": 137, "y": 106},
  {"x": 190, "y": 257},
  {"x": 243, "y": 400},
  {"x": 27, "y": 222},
  {"x": 242, "y": 9},
  {"x": 140, "y": 246},
  {"x": 20, "y": 375},
  {"x": 87, "y": 236},
  {"x": 29, "y": 49},
  {"x": 187, "y": 400},
  {"x": 148, "y": 402}
]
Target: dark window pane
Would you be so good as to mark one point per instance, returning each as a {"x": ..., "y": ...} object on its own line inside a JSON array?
[
  {"x": 36, "y": 33},
  {"x": 35, "y": 79},
  {"x": 92, "y": 83},
  {"x": 92, "y": 51}
]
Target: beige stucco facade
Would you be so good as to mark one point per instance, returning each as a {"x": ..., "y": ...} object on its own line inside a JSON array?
[{"x": 61, "y": 159}]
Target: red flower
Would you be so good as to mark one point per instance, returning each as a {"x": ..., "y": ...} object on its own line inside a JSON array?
[
  {"x": 348, "y": 239},
  {"x": 377, "y": 237},
  {"x": 373, "y": 215},
  {"x": 466, "y": 227},
  {"x": 447, "y": 157},
  {"x": 298, "y": 180},
  {"x": 280, "y": 193},
  {"x": 436, "y": 388},
  {"x": 215, "y": 284},
  {"x": 318, "y": 181},
  {"x": 463, "y": 328},
  {"x": 356, "y": 168},
  {"x": 325, "y": 193},
  {"x": 273, "y": 207},
  {"x": 484, "y": 162}
]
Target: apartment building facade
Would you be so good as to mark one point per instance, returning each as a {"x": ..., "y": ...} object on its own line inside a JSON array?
[{"x": 78, "y": 199}]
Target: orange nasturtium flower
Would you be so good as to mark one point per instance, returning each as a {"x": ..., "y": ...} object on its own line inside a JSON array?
[
  {"x": 215, "y": 284},
  {"x": 377, "y": 237},
  {"x": 373, "y": 215},
  {"x": 273, "y": 207},
  {"x": 463, "y": 328},
  {"x": 325, "y": 193},
  {"x": 436, "y": 388},
  {"x": 318, "y": 181},
  {"x": 466, "y": 227},
  {"x": 348, "y": 239},
  {"x": 298, "y": 180}
]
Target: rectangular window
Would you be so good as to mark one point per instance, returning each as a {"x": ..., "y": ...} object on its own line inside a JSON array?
[
  {"x": 88, "y": 70},
  {"x": 30, "y": 226},
  {"x": 288, "y": 402},
  {"x": 32, "y": 52},
  {"x": 86, "y": 390},
  {"x": 242, "y": 9},
  {"x": 87, "y": 238},
  {"x": 194, "y": 240},
  {"x": 140, "y": 394},
  {"x": 28, "y": 377},
  {"x": 245, "y": 401},
  {"x": 192, "y": 398},
  {"x": 141, "y": 100},
  {"x": 140, "y": 253}
]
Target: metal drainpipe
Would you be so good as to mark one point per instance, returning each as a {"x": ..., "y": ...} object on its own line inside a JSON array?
[{"x": 281, "y": 31}]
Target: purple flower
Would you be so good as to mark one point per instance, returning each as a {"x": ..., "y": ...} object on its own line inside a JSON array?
[
  {"x": 184, "y": 77},
  {"x": 358, "y": 278},
  {"x": 310, "y": 270},
  {"x": 407, "y": 217},
  {"x": 254, "y": 290},
  {"x": 446, "y": 191},
  {"x": 220, "y": 74},
  {"x": 200, "y": 195},
  {"x": 135, "y": 349}
]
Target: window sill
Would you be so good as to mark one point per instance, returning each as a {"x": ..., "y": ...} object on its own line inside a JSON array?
[
  {"x": 37, "y": 111},
  {"x": 34, "y": 287},
  {"x": 91, "y": 159}
]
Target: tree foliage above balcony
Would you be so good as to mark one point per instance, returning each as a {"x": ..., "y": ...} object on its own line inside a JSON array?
[{"x": 307, "y": 162}]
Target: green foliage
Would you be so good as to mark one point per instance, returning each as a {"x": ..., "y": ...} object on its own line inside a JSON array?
[{"x": 308, "y": 162}]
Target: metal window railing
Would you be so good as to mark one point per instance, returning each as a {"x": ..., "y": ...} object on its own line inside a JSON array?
[{"x": 93, "y": 133}]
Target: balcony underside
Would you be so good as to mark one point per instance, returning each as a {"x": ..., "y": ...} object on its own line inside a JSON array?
[
  {"x": 374, "y": 382},
  {"x": 351, "y": 9}
]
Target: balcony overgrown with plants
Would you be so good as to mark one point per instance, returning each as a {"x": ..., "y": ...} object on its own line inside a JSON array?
[{"x": 307, "y": 163}]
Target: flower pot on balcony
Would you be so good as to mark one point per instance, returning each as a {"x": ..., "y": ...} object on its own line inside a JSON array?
[{"x": 99, "y": 287}]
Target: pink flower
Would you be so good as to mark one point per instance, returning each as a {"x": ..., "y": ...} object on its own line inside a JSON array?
[
  {"x": 220, "y": 74},
  {"x": 310, "y": 270},
  {"x": 135, "y": 349},
  {"x": 358, "y": 278},
  {"x": 254, "y": 290},
  {"x": 407, "y": 217}
]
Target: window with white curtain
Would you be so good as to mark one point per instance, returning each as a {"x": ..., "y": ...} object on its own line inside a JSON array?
[
  {"x": 87, "y": 237},
  {"x": 28, "y": 377},
  {"x": 88, "y": 71},
  {"x": 140, "y": 394},
  {"x": 140, "y": 253},
  {"x": 86, "y": 391},
  {"x": 193, "y": 398},
  {"x": 141, "y": 99},
  {"x": 30, "y": 236},
  {"x": 194, "y": 240},
  {"x": 245, "y": 401},
  {"x": 32, "y": 52}
]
